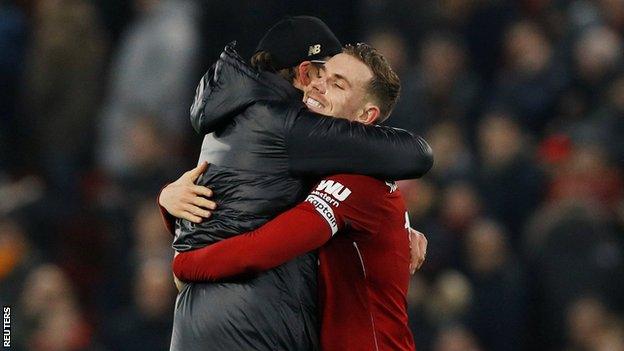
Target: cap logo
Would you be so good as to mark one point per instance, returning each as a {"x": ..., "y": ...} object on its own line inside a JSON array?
[{"x": 314, "y": 49}]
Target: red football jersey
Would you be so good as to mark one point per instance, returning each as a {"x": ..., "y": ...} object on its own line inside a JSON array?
[{"x": 364, "y": 268}]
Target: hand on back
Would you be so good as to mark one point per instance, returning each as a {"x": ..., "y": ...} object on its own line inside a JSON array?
[
  {"x": 184, "y": 199},
  {"x": 418, "y": 249}
]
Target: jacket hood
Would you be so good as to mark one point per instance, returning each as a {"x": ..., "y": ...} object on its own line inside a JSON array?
[{"x": 230, "y": 86}]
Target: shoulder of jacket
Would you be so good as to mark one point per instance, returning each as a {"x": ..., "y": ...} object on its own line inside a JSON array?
[
  {"x": 279, "y": 105},
  {"x": 283, "y": 110}
]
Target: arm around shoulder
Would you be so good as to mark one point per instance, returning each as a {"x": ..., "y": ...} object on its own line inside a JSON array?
[{"x": 318, "y": 145}]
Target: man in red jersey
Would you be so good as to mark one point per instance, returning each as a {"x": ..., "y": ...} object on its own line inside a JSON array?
[{"x": 364, "y": 268}]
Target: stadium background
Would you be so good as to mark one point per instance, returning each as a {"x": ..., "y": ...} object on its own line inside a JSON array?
[{"x": 522, "y": 102}]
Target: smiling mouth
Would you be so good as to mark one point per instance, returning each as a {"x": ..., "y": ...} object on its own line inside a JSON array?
[{"x": 313, "y": 103}]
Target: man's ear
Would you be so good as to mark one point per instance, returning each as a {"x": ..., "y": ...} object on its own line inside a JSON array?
[
  {"x": 370, "y": 114},
  {"x": 303, "y": 73}
]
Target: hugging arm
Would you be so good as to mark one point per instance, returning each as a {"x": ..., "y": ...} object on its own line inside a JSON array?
[
  {"x": 304, "y": 228},
  {"x": 297, "y": 231},
  {"x": 319, "y": 145},
  {"x": 289, "y": 235}
]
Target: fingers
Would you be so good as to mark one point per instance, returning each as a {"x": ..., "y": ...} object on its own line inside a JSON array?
[
  {"x": 197, "y": 211},
  {"x": 416, "y": 263},
  {"x": 416, "y": 259},
  {"x": 205, "y": 203},
  {"x": 418, "y": 250},
  {"x": 184, "y": 199},
  {"x": 423, "y": 246},
  {"x": 186, "y": 213},
  {"x": 194, "y": 173},
  {"x": 422, "y": 249},
  {"x": 190, "y": 217},
  {"x": 201, "y": 190},
  {"x": 183, "y": 202}
]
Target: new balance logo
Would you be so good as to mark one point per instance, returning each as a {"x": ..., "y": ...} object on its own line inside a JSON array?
[
  {"x": 335, "y": 189},
  {"x": 314, "y": 49}
]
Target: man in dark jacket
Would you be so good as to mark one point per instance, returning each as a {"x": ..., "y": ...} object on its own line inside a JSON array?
[{"x": 265, "y": 147}]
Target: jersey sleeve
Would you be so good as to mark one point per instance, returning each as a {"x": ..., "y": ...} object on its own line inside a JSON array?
[
  {"x": 291, "y": 234},
  {"x": 334, "y": 203},
  {"x": 319, "y": 146},
  {"x": 349, "y": 200}
]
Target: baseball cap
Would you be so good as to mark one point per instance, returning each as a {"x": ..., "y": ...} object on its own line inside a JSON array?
[{"x": 297, "y": 39}]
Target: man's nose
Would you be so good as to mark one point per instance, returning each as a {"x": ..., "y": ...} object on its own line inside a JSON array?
[{"x": 318, "y": 84}]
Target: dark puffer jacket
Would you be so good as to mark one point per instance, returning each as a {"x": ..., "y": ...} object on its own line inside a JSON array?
[{"x": 264, "y": 148}]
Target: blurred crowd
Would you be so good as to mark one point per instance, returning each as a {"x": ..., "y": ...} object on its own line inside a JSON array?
[{"x": 522, "y": 102}]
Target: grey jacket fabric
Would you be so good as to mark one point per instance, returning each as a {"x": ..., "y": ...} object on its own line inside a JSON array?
[{"x": 265, "y": 148}]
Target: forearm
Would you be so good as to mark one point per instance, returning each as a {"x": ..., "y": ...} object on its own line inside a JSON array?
[
  {"x": 289, "y": 235},
  {"x": 330, "y": 146}
]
